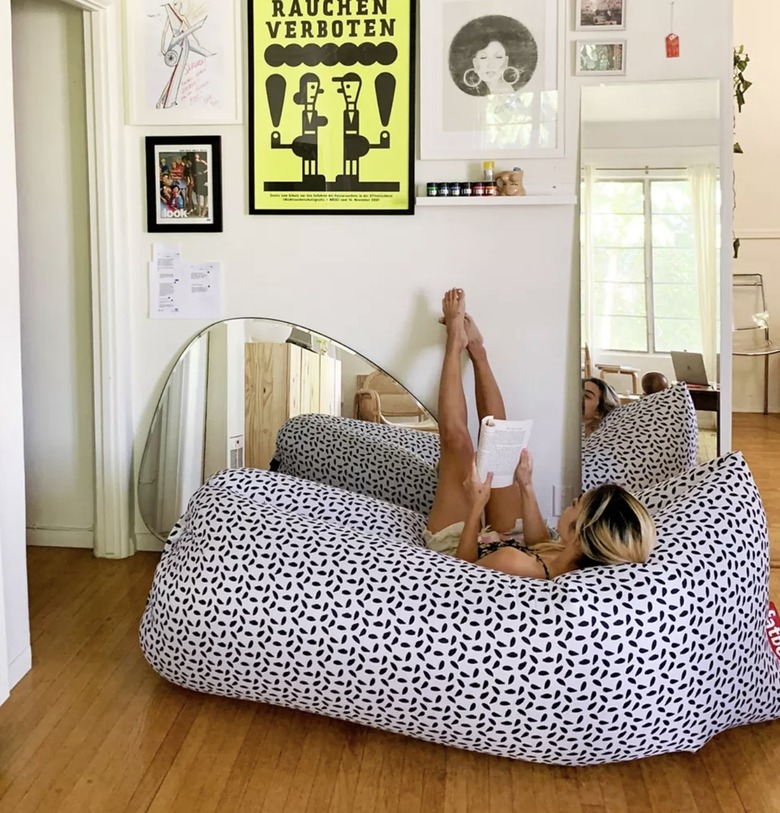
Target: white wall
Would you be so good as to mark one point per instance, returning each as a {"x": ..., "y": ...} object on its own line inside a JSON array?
[
  {"x": 48, "y": 56},
  {"x": 757, "y": 215},
  {"x": 375, "y": 283},
  {"x": 382, "y": 277},
  {"x": 16, "y": 652}
]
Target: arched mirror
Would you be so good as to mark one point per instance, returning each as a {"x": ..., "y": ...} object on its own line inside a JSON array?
[
  {"x": 650, "y": 240},
  {"x": 233, "y": 387}
]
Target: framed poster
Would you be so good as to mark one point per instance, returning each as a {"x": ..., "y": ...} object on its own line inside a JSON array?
[
  {"x": 489, "y": 79},
  {"x": 331, "y": 106},
  {"x": 184, "y": 183},
  {"x": 183, "y": 62}
]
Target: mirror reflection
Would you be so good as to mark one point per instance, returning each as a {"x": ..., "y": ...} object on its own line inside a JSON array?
[
  {"x": 650, "y": 241},
  {"x": 231, "y": 390}
]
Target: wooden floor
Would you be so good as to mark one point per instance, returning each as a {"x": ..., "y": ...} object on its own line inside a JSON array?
[
  {"x": 92, "y": 728},
  {"x": 758, "y": 438}
]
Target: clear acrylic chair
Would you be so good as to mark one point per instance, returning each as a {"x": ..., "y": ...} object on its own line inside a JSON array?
[{"x": 751, "y": 324}]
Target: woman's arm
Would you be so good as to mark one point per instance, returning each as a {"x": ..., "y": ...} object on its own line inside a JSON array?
[
  {"x": 478, "y": 493},
  {"x": 468, "y": 547},
  {"x": 534, "y": 526}
]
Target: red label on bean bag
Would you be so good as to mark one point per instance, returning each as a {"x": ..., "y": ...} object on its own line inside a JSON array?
[{"x": 773, "y": 629}]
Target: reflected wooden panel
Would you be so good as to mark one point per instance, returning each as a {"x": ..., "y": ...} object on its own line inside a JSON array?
[
  {"x": 230, "y": 391},
  {"x": 282, "y": 381}
]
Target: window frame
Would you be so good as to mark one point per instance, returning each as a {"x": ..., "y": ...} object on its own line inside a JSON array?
[{"x": 646, "y": 177}]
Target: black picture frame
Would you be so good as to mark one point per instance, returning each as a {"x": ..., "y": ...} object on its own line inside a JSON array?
[
  {"x": 193, "y": 202},
  {"x": 327, "y": 94}
]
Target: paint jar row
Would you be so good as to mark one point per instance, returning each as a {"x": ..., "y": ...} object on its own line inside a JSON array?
[{"x": 456, "y": 189}]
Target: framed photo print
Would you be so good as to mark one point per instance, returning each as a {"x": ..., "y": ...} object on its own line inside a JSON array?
[
  {"x": 599, "y": 14},
  {"x": 183, "y": 62},
  {"x": 489, "y": 79},
  {"x": 602, "y": 58},
  {"x": 331, "y": 106},
  {"x": 183, "y": 183}
]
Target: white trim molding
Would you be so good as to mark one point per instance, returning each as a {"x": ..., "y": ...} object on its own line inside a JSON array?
[
  {"x": 759, "y": 234},
  {"x": 90, "y": 5},
  {"x": 110, "y": 294},
  {"x": 19, "y": 666}
]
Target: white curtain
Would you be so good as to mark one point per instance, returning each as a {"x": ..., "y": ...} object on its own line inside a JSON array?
[
  {"x": 586, "y": 256},
  {"x": 704, "y": 197}
]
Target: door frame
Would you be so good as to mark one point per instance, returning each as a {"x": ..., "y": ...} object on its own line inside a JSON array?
[{"x": 111, "y": 349}]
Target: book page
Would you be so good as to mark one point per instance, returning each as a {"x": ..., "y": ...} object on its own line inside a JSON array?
[{"x": 500, "y": 445}]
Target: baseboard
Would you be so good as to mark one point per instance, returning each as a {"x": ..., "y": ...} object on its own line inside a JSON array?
[
  {"x": 148, "y": 542},
  {"x": 45, "y": 538},
  {"x": 19, "y": 667}
]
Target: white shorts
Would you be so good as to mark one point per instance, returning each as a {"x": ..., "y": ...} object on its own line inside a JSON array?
[{"x": 447, "y": 539}]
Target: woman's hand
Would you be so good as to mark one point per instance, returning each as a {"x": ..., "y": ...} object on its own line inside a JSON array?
[
  {"x": 478, "y": 490},
  {"x": 525, "y": 469}
]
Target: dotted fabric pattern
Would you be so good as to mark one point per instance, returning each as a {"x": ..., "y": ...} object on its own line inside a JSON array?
[
  {"x": 392, "y": 463},
  {"x": 278, "y": 590}
]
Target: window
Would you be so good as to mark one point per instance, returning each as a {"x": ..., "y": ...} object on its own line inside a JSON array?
[{"x": 644, "y": 285}]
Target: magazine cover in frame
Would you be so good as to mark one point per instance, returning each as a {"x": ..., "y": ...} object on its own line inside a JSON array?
[
  {"x": 331, "y": 106},
  {"x": 183, "y": 183},
  {"x": 489, "y": 79}
]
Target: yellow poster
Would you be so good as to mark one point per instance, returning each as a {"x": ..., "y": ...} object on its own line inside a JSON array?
[{"x": 331, "y": 106}]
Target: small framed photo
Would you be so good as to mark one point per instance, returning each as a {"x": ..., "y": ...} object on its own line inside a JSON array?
[
  {"x": 592, "y": 14},
  {"x": 183, "y": 183},
  {"x": 602, "y": 58}
]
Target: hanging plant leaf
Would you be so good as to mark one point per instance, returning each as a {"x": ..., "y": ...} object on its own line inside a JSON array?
[{"x": 741, "y": 87}]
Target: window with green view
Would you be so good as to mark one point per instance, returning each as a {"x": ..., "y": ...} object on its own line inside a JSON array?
[{"x": 644, "y": 280}]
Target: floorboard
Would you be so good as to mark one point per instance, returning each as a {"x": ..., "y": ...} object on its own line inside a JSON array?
[{"x": 92, "y": 728}]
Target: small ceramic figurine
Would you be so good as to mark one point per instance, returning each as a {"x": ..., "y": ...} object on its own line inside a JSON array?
[{"x": 510, "y": 182}]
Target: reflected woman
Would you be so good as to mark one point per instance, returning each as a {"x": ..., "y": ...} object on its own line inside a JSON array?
[
  {"x": 598, "y": 400},
  {"x": 492, "y": 55}
]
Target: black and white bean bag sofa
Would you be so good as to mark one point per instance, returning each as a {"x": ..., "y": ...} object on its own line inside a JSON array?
[
  {"x": 644, "y": 443},
  {"x": 389, "y": 462},
  {"x": 279, "y": 590}
]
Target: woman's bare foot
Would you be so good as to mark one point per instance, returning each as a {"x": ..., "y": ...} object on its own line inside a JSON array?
[
  {"x": 453, "y": 306},
  {"x": 476, "y": 344}
]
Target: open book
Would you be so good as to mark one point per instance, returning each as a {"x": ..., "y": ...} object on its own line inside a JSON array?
[{"x": 500, "y": 444}]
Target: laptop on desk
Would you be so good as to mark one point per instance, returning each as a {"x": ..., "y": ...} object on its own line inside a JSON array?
[{"x": 689, "y": 367}]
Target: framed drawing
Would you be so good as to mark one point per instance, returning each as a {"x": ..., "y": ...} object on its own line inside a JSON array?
[
  {"x": 601, "y": 58},
  {"x": 183, "y": 183},
  {"x": 489, "y": 79},
  {"x": 331, "y": 96},
  {"x": 590, "y": 15},
  {"x": 183, "y": 62}
]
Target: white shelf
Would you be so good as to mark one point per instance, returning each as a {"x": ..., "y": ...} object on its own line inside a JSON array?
[{"x": 499, "y": 200}]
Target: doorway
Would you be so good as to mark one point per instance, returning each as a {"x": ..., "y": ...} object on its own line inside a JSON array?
[{"x": 55, "y": 281}]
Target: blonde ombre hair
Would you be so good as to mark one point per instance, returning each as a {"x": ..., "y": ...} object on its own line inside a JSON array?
[{"x": 613, "y": 527}]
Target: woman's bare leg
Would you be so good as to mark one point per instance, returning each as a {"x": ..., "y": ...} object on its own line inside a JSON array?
[
  {"x": 457, "y": 450},
  {"x": 506, "y": 504},
  {"x": 488, "y": 395}
]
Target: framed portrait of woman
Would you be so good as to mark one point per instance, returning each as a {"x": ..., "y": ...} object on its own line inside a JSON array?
[{"x": 489, "y": 79}]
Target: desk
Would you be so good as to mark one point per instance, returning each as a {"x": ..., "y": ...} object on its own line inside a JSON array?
[{"x": 707, "y": 399}]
